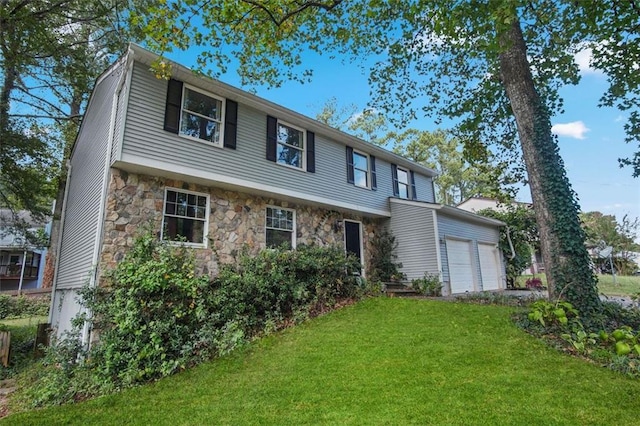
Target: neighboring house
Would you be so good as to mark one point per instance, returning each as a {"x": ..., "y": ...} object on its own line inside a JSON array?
[
  {"x": 476, "y": 204},
  {"x": 21, "y": 265},
  {"x": 228, "y": 170}
]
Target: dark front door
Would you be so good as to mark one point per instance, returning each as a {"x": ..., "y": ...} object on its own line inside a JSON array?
[{"x": 353, "y": 238}]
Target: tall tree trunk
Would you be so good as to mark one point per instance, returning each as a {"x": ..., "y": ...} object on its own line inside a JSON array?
[{"x": 567, "y": 263}]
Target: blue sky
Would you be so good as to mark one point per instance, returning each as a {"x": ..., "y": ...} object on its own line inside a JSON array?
[{"x": 591, "y": 139}]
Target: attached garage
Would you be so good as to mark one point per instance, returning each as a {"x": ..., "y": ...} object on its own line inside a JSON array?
[
  {"x": 461, "y": 265},
  {"x": 489, "y": 266},
  {"x": 458, "y": 246}
]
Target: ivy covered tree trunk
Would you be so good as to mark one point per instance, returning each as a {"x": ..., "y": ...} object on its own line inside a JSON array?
[{"x": 564, "y": 254}]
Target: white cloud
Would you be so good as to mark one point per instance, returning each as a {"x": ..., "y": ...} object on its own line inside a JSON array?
[
  {"x": 583, "y": 56},
  {"x": 575, "y": 129},
  {"x": 619, "y": 118}
]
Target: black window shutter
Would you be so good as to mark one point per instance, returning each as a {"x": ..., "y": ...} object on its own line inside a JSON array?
[
  {"x": 414, "y": 195},
  {"x": 173, "y": 106},
  {"x": 394, "y": 176},
  {"x": 374, "y": 180},
  {"x": 350, "y": 172},
  {"x": 230, "y": 124},
  {"x": 311, "y": 152},
  {"x": 272, "y": 125}
]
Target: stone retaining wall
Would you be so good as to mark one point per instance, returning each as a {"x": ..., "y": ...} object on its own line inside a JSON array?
[{"x": 236, "y": 220}]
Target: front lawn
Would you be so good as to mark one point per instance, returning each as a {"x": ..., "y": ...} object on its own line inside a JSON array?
[{"x": 381, "y": 361}]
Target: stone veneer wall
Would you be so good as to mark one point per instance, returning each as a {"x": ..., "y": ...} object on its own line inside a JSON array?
[{"x": 235, "y": 220}]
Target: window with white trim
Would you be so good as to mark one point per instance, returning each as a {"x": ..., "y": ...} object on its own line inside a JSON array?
[
  {"x": 360, "y": 169},
  {"x": 403, "y": 183},
  {"x": 280, "y": 227},
  {"x": 185, "y": 216},
  {"x": 202, "y": 116},
  {"x": 290, "y": 145}
]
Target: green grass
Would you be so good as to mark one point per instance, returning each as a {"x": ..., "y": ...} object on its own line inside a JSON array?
[
  {"x": 383, "y": 361},
  {"x": 624, "y": 286},
  {"x": 22, "y": 322}
]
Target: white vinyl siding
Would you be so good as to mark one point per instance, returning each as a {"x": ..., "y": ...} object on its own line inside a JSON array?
[
  {"x": 414, "y": 228},
  {"x": 146, "y": 142},
  {"x": 85, "y": 189}
]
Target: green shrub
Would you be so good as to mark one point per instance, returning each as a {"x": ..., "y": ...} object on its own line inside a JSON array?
[
  {"x": 23, "y": 306},
  {"x": 156, "y": 316},
  {"x": 149, "y": 315},
  {"x": 6, "y": 305},
  {"x": 429, "y": 285},
  {"x": 281, "y": 284},
  {"x": 384, "y": 265}
]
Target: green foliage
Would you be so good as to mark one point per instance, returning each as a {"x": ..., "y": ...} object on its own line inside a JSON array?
[
  {"x": 410, "y": 351},
  {"x": 517, "y": 239},
  {"x": 615, "y": 345},
  {"x": 149, "y": 316},
  {"x": 604, "y": 230},
  {"x": 559, "y": 315},
  {"x": 156, "y": 316},
  {"x": 384, "y": 265},
  {"x": 429, "y": 285},
  {"x": 21, "y": 355},
  {"x": 22, "y": 306},
  {"x": 458, "y": 177},
  {"x": 277, "y": 285}
]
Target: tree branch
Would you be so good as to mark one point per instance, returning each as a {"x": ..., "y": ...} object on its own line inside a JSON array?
[{"x": 302, "y": 7}]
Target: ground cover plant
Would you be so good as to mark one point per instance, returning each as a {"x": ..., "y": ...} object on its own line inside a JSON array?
[
  {"x": 614, "y": 343},
  {"x": 380, "y": 361}
]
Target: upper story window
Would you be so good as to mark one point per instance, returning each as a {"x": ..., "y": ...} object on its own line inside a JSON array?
[
  {"x": 280, "y": 227},
  {"x": 202, "y": 116},
  {"x": 404, "y": 183},
  {"x": 290, "y": 148},
  {"x": 290, "y": 145},
  {"x": 199, "y": 115},
  {"x": 361, "y": 169},
  {"x": 185, "y": 216}
]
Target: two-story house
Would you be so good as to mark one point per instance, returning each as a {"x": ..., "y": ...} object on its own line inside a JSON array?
[{"x": 225, "y": 169}]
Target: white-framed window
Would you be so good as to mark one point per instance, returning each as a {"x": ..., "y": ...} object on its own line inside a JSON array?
[
  {"x": 280, "y": 227},
  {"x": 185, "y": 216},
  {"x": 361, "y": 176},
  {"x": 202, "y": 116},
  {"x": 290, "y": 147},
  {"x": 403, "y": 183}
]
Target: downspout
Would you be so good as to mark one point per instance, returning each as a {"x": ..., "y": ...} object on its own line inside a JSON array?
[
  {"x": 513, "y": 252},
  {"x": 24, "y": 264}
]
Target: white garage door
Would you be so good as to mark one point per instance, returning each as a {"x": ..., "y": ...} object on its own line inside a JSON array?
[
  {"x": 460, "y": 266},
  {"x": 489, "y": 266}
]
